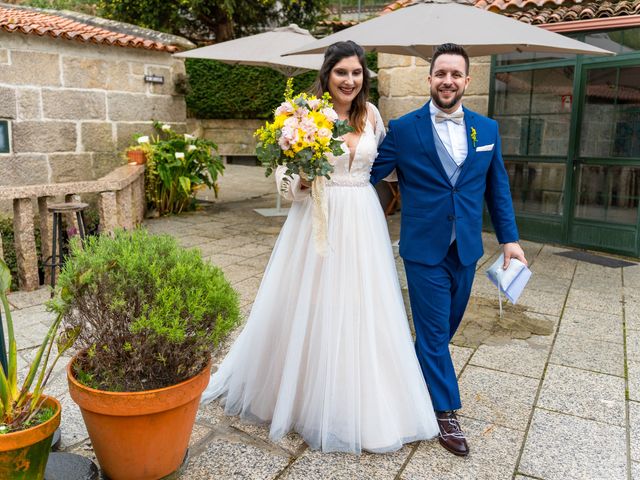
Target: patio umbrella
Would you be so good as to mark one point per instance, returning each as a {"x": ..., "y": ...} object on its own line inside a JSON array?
[
  {"x": 264, "y": 50},
  {"x": 420, "y": 27}
]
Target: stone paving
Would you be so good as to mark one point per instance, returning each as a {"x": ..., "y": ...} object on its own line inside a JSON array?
[{"x": 550, "y": 391}]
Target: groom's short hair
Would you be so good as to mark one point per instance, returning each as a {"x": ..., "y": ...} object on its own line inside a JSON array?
[{"x": 450, "y": 49}]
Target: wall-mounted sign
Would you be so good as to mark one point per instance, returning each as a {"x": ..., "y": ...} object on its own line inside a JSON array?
[
  {"x": 154, "y": 78},
  {"x": 4, "y": 137}
]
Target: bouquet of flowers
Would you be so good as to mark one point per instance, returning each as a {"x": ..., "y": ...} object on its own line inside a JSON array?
[{"x": 304, "y": 130}]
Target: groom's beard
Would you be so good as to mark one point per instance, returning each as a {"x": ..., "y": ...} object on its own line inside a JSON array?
[{"x": 442, "y": 105}]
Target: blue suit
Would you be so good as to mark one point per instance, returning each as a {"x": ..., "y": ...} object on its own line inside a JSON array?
[{"x": 440, "y": 273}]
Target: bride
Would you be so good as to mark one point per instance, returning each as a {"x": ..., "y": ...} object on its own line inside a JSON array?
[{"x": 327, "y": 350}]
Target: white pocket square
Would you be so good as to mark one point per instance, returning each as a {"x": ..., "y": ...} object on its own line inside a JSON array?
[{"x": 484, "y": 148}]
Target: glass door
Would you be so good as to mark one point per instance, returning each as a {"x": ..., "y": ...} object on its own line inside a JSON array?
[{"x": 606, "y": 169}]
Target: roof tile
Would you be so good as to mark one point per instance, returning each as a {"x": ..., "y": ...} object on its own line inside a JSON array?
[
  {"x": 41, "y": 23},
  {"x": 538, "y": 12}
]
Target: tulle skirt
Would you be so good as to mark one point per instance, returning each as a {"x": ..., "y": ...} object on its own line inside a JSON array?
[{"x": 327, "y": 351}]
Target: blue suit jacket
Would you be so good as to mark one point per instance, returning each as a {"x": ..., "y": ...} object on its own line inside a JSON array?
[{"x": 430, "y": 203}]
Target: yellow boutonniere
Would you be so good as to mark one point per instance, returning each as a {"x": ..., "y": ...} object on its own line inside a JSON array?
[{"x": 474, "y": 136}]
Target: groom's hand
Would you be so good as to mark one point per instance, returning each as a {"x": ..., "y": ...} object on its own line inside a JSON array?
[{"x": 513, "y": 250}]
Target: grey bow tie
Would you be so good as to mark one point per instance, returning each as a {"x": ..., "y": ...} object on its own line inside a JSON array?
[{"x": 456, "y": 117}]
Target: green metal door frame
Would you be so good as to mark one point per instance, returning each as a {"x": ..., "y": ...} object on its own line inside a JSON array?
[
  {"x": 585, "y": 65},
  {"x": 581, "y": 65}
]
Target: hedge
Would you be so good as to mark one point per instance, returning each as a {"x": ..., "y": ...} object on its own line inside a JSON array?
[{"x": 218, "y": 90}]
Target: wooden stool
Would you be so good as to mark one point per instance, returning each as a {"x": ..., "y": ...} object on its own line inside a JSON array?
[{"x": 55, "y": 260}]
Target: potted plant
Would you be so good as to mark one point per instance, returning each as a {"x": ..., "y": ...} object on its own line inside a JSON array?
[
  {"x": 137, "y": 154},
  {"x": 28, "y": 418},
  {"x": 178, "y": 166},
  {"x": 148, "y": 314}
]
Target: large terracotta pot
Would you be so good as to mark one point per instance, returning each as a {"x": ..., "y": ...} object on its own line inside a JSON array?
[
  {"x": 139, "y": 435},
  {"x": 24, "y": 454}
]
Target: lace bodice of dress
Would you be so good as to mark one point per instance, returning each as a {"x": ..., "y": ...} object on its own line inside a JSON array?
[{"x": 365, "y": 154}]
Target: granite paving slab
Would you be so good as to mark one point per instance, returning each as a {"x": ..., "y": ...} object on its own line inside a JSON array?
[
  {"x": 633, "y": 377},
  {"x": 548, "y": 283},
  {"x": 550, "y": 303},
  {"x": 497, "y": 397},
  {"x": 633, "y": 344},
  {"x": 590, "y": 395},
  {"x": 19, "y": 300},
  {"x": 249, "y": 250},
  {"x": 191, "y": 241},
  {"x": 493, "y": 454},
  {"x": 226, "y": 459},
  {"x": 259, "y": 262},
  {"x": 342, "y": 466},
  {"x": 634, "y": 424},
  {"x": 460, "y": 356},
  {"x": 235, "y": 273},
  {"x": 631, "y": 276},
  {"x": 561, "y": 447},
  {"x": 635, "y": 470},
  {"x": 590, "y": 324},
  {"x": 632, "y": 316},
  {"x": 520, "y": 357},
  {"x": 589, "y": 283},
  {"x": 607, "y": 302},
  {"x": 595, "y": 355},
  {"x": 222, "y": 259},
  {"x": 248, "y": 289}
]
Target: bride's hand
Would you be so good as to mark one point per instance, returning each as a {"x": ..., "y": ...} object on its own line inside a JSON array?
[{"x": 305, "y": 183}]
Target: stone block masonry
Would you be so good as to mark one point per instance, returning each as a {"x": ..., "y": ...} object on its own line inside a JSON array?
[{"x": 74, "y": 107}]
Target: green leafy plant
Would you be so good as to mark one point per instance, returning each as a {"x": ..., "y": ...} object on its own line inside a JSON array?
[
  {"x": 178, "y": 165},
  {"x": 22, "y": 406},
  {"x": 148, "y": 312}
]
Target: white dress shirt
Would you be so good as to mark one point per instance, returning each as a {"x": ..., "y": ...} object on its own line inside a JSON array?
[{"x": 453, "y": 136}]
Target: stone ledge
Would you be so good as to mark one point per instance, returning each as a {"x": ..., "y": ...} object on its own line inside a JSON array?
[{"x": 118, "y": 179}]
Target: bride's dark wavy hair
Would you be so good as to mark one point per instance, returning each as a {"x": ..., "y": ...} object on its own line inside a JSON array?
[{"x": 333, "y": 54}]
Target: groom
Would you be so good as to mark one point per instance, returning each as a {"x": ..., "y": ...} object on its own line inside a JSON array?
[{"x": 448, "y": 162}]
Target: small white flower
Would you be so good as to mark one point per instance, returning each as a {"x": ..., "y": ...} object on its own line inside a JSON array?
[
  {"x": 179, "y": 154},
  {"x": 144, "y": 139},
  {"x": 189, "y": 137},
  {"x": 166, "y": 127},
  {"x": 191, "y": 148}
]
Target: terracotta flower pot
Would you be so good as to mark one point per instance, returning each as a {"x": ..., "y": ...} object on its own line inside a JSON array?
[
  {"x": 24, "y": 454},
  {"x": 139, "y": 435},
  {"x": 137, "y": 156}
]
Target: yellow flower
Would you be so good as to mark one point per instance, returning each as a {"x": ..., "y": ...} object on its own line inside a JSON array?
[{"x": 320, "y": 120}]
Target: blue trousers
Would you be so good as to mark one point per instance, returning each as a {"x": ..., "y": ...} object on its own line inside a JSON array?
[{"x": 439, "y": 295}]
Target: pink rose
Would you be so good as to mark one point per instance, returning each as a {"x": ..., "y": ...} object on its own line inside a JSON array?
[{"x": 331, "y": 114}]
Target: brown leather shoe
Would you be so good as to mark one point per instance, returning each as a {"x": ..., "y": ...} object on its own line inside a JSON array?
[{"x": 451, "y": 436}]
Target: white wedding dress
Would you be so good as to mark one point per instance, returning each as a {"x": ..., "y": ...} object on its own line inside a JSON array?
[{"x": 327, "y": 351}]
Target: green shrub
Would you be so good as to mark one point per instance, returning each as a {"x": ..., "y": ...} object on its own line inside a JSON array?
[
  {"x": 148, "y": 311},
  {"x": 218, "y": 90},
  {"x": 178, "y": 166}
]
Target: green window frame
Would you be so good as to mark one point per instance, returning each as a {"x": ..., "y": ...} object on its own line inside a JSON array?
[{"x": 5, "y": 145}]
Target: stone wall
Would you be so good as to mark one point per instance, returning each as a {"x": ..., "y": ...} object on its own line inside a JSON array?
[
  {"x": 403, "y": 85},
  {"x": 234, "y": 137},
  {"x": 74, "y": 107}
]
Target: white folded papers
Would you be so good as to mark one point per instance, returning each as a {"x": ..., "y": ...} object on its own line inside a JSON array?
[{"x": 511, "y": 281}]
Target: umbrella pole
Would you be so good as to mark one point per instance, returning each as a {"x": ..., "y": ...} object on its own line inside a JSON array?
[{"x": 278, "y": 211}]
